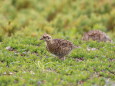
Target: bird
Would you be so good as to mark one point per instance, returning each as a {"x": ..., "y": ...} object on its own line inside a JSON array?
[
  {"x": 58, "y": 47},
  {"x": 96, "y": 35}
]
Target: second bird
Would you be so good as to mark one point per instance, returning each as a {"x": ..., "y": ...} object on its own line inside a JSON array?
[{"x": 58, "y": 47}]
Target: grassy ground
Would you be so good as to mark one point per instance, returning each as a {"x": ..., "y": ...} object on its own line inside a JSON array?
[{"x": 24, "y": 60}]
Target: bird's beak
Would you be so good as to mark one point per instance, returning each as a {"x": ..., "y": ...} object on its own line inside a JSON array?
[{"x": 41, "y": 38}]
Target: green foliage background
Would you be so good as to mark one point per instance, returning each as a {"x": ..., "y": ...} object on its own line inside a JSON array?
[{"x": 22, "y": 22}]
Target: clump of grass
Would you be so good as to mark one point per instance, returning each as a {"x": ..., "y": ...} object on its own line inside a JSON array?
[
  {"x": 9, "y": 29},
  {"x": 82, "y": 67}
]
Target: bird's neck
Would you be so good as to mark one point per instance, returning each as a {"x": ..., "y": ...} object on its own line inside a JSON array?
[{"x": 49, "y": 42}]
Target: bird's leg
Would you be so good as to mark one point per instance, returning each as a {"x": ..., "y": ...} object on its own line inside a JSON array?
[{"x": 62, "y": 58}]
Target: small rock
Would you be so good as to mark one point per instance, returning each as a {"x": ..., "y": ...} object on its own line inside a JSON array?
[
  {"x": 91, "y": 49},
  {"x": 10, "y": 73},
  {"x": 24, "y": 52},
  {"x": 39, "y": 83},
  {"x": 79, "y": 59},
  {"x": 4, "y": 73},
  {"x": 108, "y": 82},
  {"x": 9, "y": 48},
  {"x": 32, "y": 72}
]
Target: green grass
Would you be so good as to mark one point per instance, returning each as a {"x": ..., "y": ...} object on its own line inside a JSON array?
[
  {"x": 22, "y": 24},
  {"x": 30, "y": 64}
]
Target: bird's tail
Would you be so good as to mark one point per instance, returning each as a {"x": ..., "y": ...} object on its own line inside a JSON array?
[{"x": 76, "y": 47}]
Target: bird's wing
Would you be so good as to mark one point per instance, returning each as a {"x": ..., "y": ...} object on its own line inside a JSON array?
[{"x": 64, "y": 43}]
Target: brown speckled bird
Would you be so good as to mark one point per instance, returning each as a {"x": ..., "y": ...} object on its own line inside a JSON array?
[
  {"x": 58, "y": 47},
  {"x": 96, "y": 35}
]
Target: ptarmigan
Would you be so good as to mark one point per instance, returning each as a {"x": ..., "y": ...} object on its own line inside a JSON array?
[
  {"x": 58, "y": 47},
  {"x": 96, "y": 35}
]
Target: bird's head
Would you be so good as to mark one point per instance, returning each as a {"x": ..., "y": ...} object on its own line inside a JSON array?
[{"x": 46, "y": 37}]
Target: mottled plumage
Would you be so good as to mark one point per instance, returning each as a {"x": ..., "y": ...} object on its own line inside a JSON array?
[
  {"x": 58, "y": 47},
  {"x": 96, "y": 35}
]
